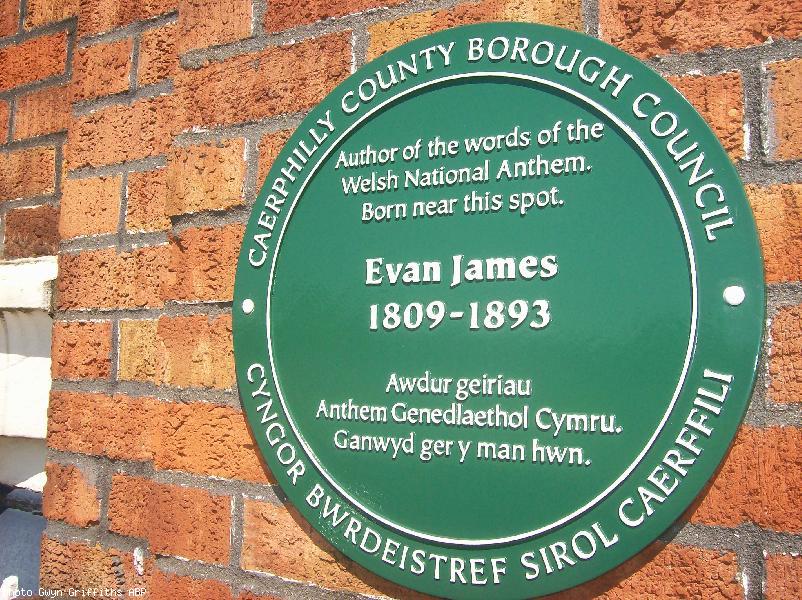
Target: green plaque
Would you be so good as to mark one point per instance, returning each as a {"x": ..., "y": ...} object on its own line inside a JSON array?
[{"x": 498, "y": 311}]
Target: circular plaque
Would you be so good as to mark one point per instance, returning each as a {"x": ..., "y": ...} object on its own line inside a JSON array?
[{"x": 498, "y": 311}]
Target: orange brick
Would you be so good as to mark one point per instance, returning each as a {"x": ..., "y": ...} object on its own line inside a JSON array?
[
  {"x": 269, "y": 147},
  {"x": 192, "y": 351},
  {"x": 80, "y": 566},
  {"x": 665, "y": 573},
  {"x": 120, "y": 427},
  {"x": 99, "y": 16},
  {"x": 147, "y": 197},
  {"x": 44, "y": 12},
  {"x": 783, "y": 577},
  {"x": 81, "y": 350},
  {"x": 105, "y": 279},
  {"x": 178, "y": 521},
  {"x": 285, "y": 14},
  {"x": 284, "y": 544},
  {"x": 158, "y": 55},
  {"x": 70, "y": 495},
  {"x": 32, "y": 60},
  {"x": 204, "y": 23},
  {"x": 31, "y": 232},
  {"x": 4, "y": 116},
  {"x": 203, "y": 263},
  {"x": 43, "y": 112},
  {"x": 206, "y": 177},
  {"x": 9, "y": 17},
  {"x": 168, "y": 586},
  {"x": 120, "y": 133},
  {"x": 654, "y": 27},
  {"x": 101, "y": 70},
  {"x": 785, "y": 365},
  {"x": 209, "y": 440},
  {"x": 27, "y": 173},
  {"x": 778, "y": 212},
  {"x": 199, "y": 438},
  {"x": 388, "y": 35},
  {"x": 786, "y": 107},
  {"x": 719, "y": 99},
  {"x": 90, "y": 206},
  {"x": 277, "y": 80},
  {"x": 760, "y": 482}
]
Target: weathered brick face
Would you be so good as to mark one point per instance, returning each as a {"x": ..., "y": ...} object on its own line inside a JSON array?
[
  {"x": 177, "y": 521},
  {"x": 27, "y": 173},
  {"x": 134, "y": 135},
  {"x": 31, "y": 232},
  {"x": 42, "y": 112},
  {"x": 101, "y": 70},
  {"x": 653, "y": 27},
  {"x": 35, "y": 59},
  {"x": 70, "y": 496}
]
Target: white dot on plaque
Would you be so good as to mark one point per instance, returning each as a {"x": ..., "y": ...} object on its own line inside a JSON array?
[
  {"x": 734, "y": 295},
  {"x": 619, "y": 429},
  {"x": 587, "y": 462},
  {"x": 248, "y": 306}
]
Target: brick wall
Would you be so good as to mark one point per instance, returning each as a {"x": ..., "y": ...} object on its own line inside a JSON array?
[{"x": 134, "y": 134}]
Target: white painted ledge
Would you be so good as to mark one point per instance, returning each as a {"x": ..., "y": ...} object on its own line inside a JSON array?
[{"x": 27, "y": 283}]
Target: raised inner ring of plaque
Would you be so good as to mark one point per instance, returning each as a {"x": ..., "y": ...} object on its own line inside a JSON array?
[{"x": 472, "y": 345}]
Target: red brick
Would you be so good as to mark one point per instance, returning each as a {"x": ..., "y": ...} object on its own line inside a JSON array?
[
  {"x": 32, "y": 60},
  {"x": 81, "y": 566},
  {"x": 70, "y": 496},
  {"x": 27, "y": 173},
  {"x": 81, "y": 350},
  {"x": 119, "y": 427},
  {"x": 760, "y": 482},
  {"x": 250, "y": 87},
  {"x": 90, "y": 206},
  {"x": 158, "y": 55},
  {"x": 4, "y": 116},
  {"x": 785, "y": 364},
  {"x": 204, "y": 23},
  {"x": 200, "y": 438},
  {"x": 655, "y": 27},
  {"x": 783, "y": 577},
  {"x": 31, "y": 232},
  {"x": 99, "y": 16},
  {"x": 168, "y": 586},
  {"x": 191, "y": 351},
  {"x": 203, "y": 262},
  {"x": 43, "y": 112},
  {"x": 778, "y": 212},
  {"x": 121, "y": 133},
  {"x": 9, "y": 17},
  {"x": 106, "y": 279},
  {"x": 101, "y": 70},
  {"x": 208, "y": 440},
  {"x": 390, "y": 34},
  {"x": 282, "y": 543},
  {"x": 786, "y": 108},
  {"x": 205, "y": 177},
  {"x": 719, "y": 99},
  {"x": 147, "y": 198},
  {"x": 178, "y": 521},
  {"x": 269, "y": 147},
  {"x": 665, "y": 573},
  {"x": 285, "y": 14},
  {"x": 44, "y": 12}
]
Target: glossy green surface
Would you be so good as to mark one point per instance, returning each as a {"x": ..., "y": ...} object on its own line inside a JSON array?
[{"x": 637, "y": 318}]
